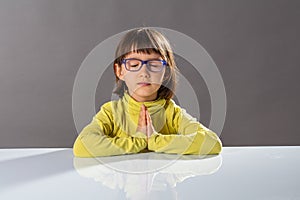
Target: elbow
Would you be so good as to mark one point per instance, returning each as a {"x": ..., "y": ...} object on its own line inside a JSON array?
[
  {"x": 217, "y": 148},
  {"x": 79, "y": 150},
  {"x": 211, "y": 146}
]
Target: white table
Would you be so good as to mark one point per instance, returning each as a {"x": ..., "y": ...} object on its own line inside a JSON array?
[{"x": 238, "y": 173}]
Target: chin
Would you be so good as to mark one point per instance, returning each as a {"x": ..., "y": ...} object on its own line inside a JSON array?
[{"x": 144, "y": 93}]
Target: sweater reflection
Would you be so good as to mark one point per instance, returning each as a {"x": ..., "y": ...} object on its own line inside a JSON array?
[{"x": 146, "y": 175}]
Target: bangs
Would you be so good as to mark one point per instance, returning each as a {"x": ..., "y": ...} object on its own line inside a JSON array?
[
  {"x": 144, "y": 51},
  {"x": 143, "y": 45}
]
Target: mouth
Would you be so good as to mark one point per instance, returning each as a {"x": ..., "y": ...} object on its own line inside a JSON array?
[{"x": 143, "y": 84}]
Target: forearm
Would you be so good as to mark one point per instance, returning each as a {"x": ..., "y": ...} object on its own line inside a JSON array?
[
  {"x": 198, "y": 143},
  {"x": 93, "y": 145}
]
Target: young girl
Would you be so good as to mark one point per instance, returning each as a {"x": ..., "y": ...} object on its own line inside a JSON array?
[{"x": 145, "y": 118}]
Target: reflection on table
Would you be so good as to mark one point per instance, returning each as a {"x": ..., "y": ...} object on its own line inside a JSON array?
[{"x": 140, "y": 176}]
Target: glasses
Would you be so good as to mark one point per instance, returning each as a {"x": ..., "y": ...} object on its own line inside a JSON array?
[{"x": 134, "y": 65}]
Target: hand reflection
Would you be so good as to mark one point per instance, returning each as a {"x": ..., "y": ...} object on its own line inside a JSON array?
[{"x": 142, "y": 175}]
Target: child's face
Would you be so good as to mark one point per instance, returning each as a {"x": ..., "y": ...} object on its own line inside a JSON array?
[{"x": 142, "y": 92}]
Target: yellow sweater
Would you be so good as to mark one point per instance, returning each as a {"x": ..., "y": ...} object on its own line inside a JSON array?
[{"x": 113, "y": 131}]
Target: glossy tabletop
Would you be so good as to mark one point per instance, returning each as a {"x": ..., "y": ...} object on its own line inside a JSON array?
[{"x": 237, "y": 173}]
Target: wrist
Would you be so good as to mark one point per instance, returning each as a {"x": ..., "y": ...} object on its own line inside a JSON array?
[
  {"x": 151, "y": 141},
  {"x": 139, "y": 134}
]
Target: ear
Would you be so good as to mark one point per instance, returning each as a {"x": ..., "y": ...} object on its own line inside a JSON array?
[{"x": 119, "y": 72}]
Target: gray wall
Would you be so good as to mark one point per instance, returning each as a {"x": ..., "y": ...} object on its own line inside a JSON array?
[{"x": 254, "y": 43}]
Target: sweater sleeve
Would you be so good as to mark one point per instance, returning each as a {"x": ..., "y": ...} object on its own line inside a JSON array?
[
  {"x": 191, "y": 138},
  {"x": 96, "y": 139}
]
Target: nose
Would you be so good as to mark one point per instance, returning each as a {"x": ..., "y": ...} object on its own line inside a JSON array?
[{"x": 144, "y": 71}]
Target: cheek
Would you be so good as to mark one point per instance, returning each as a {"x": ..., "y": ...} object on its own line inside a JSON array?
[
  {"x": 128, "y": 77},
  {"x": 159, "y": 77}
]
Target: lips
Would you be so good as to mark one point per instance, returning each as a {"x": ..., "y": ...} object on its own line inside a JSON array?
[{"x": 144, "y": 83}]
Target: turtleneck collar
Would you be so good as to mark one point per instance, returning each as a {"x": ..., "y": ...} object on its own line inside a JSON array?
[{"x": 153, "y": 106}]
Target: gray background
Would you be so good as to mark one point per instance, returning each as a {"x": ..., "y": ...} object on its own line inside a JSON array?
[{"x": 254, "y": 43}]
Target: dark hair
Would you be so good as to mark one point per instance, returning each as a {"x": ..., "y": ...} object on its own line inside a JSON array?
[{"x": 145, "y": 40}]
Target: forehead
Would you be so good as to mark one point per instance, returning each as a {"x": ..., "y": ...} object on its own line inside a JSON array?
[{"x": 143, "y": 56}]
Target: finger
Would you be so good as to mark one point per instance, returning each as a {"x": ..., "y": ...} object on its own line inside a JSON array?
[
  {"x": 148, "y": 123},
  {"x": 141, "y": 115},
  {"x": 142, "y": 121},
  {"x": 144, "y": 114},
  {"x": 149, "y": 116}
]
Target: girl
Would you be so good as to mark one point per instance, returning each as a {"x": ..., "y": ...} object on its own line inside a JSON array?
[{"x": 145, "y": 118}]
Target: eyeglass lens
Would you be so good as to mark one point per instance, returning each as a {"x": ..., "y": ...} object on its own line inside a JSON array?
[{"x": 135, "y": 65}]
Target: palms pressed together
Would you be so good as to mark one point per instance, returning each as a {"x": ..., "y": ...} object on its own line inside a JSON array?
[{"x": 145, "y": 122}]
